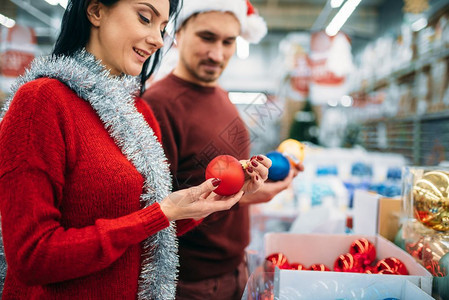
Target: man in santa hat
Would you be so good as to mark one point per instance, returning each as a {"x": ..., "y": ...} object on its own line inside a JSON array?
[{"x": 199, "y": 122}]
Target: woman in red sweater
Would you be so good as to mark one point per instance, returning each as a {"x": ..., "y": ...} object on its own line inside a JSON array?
[{"x": 85, "y": 201}]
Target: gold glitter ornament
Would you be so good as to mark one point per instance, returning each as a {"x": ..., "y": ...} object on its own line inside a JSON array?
[
  {"x": 431, "y": 200},
  {"x": 293, "y": 150}
]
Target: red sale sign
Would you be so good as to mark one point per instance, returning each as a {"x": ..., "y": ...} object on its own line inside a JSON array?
[
  {"x": 13, "y": 63},
  {"x": 17, "y": 51}
]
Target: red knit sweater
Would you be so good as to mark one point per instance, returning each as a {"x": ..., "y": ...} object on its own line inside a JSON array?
[{"x": 69, "y": 199}]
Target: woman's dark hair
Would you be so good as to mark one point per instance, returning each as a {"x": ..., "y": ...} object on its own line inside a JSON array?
[{"x": 75, "y": 32}]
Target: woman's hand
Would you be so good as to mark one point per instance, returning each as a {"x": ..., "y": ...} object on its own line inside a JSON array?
[
  {"x": 256, "y": 172},
  {"x": 197, "y": 202},
  {"x": 270, "y": 189}
]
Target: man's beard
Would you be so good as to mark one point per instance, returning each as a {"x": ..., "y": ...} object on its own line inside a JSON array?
[{"x": 205, "y": 77}]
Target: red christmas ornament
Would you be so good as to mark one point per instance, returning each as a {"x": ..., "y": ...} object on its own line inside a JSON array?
[
  {"x": 393, "y": 264},
  {"x": 416, "y": 249},
  {"x": 388, "y": 272},
  {"x": 230, "y": 171},
  {"x": 276, "y": 260},
  {"x": 370, "y": 270},
  {"x": 348, "y": 263},
  {"x": 435, "y": 269},
  {"x": 363, "y": 250},
  {"x": 319, "y": 267},
  {"x": 297, "y": 266}
]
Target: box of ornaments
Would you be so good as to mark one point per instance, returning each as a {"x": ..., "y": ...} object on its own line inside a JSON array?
[{"x": 342, "y": 267}]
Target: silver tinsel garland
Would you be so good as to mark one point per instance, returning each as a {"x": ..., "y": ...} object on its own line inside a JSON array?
[{"x": 112, "y": 99}]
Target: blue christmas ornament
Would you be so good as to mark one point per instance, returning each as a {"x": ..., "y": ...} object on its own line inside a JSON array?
[
  {"x": 441, "y": 284},
  {"x": 280, "y": 166}
]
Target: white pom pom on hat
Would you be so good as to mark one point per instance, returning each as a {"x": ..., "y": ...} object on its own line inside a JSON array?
[{"x": 253, "y": 26}]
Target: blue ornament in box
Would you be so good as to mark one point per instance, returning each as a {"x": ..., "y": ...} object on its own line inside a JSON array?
[{"x": 280, "y": 166}]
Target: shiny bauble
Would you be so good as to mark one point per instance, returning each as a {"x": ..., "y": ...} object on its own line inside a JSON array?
[
  {"x": 415, "y": 248},
  {"x": 388, "y": 272},
  {"x": 391, "y": 265},
  {"x": 280, "y": 166},
  {"x": 435, "y": 253},
  {"x": 348, "y": 263},
  {"x": 230, "y": 171},
  {"x": 276, "y": 260},
  {"x": 319, "y": 267},
  {"x": 431, "y": 200},
  {"x": 297, "y": 266},
  {"x": 293, "y": 150},
  {"x": 363, "y": 250},
  {"x": 441, "y": 284},
  {"x": 370, "y": 270},
  {"x": 444, "y": 264}
]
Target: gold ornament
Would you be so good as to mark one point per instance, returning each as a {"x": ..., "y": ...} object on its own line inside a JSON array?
[
  {"x": 431, "y": 200},
  {"x": 293, "y": 150}
]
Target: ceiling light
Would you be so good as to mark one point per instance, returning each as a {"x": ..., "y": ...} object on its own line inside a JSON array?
[
  {"x": 419, "y": 24},
  {"x": 336, "y": 3},
  {"x": 52, "y": 2},
  {"x": 332, "y": 102},
  {"x": 7, "y": 22},
  {"x": 63, "y": 3},
  {"x": 340, "y": 18},
  {"x": 346, "y": 101},
  {"x": 247, "y": 98},
  {"x": 242, "y": 48}
]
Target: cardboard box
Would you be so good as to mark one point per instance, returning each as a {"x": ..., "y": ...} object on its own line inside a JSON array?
[
  {"x": 374, "y": 214},
  {"x": 309, "y": 249},
  {"x": 388, "y": 220},
  {"x": 312, "y": 285}
]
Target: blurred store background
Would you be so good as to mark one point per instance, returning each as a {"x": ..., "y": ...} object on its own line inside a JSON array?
[
  {"x": 378, "y": 82},
  {"x": 362, "y": 84}
]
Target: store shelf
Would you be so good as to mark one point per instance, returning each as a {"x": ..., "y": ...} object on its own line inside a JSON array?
[
  {"x": 412, "y": 104},
  {"x": 424, "y": 140},
  {"x": 431, "y": 57},
  {"x": 410, "y": 69},
  {"x": 434, "y": 116}
]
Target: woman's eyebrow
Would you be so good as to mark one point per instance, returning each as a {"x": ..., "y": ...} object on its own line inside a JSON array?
[{"x": 152, "y": 8}]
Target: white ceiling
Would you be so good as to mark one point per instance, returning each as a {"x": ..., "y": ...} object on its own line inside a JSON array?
[
  {"x": 294, "y": 15},
  {"x": 281, "y": 15}
]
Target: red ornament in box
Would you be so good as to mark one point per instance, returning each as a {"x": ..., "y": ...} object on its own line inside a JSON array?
[
  {"x": 393, "y": 264},
  {"x": 415, "y": 249},
  {"x": 388, "y": 272},
  {"x": 363, "y": 250},
  {"x": 297, "y": 266},
  {"x": 230, "y": 171},
  {"x": 348, "y": 263},
  {"x": 276, "y": 260},
  {"x": 319, "y": 267},
  {"x": 436, "y": 249},
  {"x": 370, "y": 270}
]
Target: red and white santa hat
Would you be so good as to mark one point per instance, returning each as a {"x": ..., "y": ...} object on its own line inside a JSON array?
[{"x": 253, "y": 26}]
